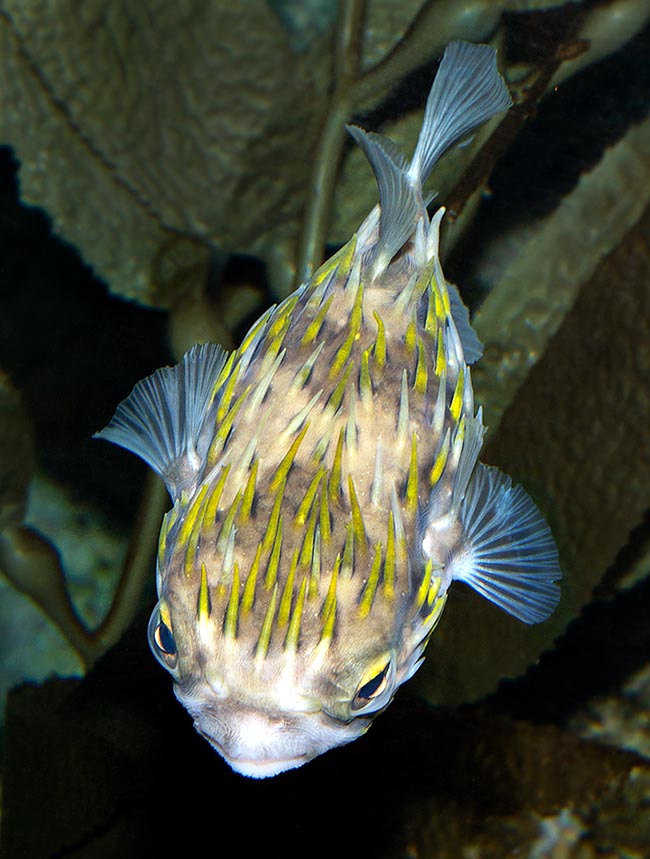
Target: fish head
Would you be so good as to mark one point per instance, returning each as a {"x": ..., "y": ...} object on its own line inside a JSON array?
[{"x": 273, "y": 708}]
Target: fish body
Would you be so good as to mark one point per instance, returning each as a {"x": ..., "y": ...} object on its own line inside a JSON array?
[{"x": 325, "y": 479}]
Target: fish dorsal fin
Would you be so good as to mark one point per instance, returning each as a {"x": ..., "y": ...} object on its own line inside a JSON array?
[
  {"x": 398, "y": 199},
  {"x": 162, "y": 418},
  {"x": 472, "y": 346},
  {"x": 467, "y": 91},
  {"x": 506, "y": 553}
]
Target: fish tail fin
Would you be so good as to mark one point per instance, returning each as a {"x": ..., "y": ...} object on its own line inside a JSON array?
[
  {"x": 162, "y": 418},
  {"x": 507, "y": 554},
  {"x": 467, "y": 91}
]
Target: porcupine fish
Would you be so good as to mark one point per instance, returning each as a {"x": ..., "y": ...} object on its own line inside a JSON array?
[{"x": 325, "y": 477}]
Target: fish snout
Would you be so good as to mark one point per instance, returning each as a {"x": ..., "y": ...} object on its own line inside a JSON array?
[{"x": 255, "y": 743}]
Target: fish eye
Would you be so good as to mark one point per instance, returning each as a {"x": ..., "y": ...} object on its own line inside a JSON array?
[
  {"x": 161, "y": 639},
  {"x": 164, "y": 639},
  {"x": 371, "y": 689}
]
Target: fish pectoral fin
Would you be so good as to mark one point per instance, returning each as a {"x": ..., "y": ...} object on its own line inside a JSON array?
[
  {"x": 162, "y": 418},
  {"x": 506, "y": 552},
  {"x": 398, "y": 198}
]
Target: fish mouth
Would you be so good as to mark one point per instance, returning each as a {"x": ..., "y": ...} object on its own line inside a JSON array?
[
  {"x": 258, "y": 767},
  {"x": 264, "y": 768}
]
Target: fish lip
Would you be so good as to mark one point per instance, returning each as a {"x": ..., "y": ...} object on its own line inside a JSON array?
[
  {"x": 266, "y": 768},
  {"x": 258, "y": 768}
]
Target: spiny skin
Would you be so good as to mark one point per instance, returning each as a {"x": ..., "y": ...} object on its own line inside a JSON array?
[
  {"x": 325, "y": 479},
  {"x": 307, "y": 591}
]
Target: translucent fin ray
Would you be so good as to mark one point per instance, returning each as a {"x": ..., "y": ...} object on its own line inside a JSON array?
[
  {"x": 467, "y": 91},
  {"x": 508, "y": 554},
  {"x": 162, "y": 418}
]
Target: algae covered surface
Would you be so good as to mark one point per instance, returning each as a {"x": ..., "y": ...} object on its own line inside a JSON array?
[{"x": 170, "y": 170}]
